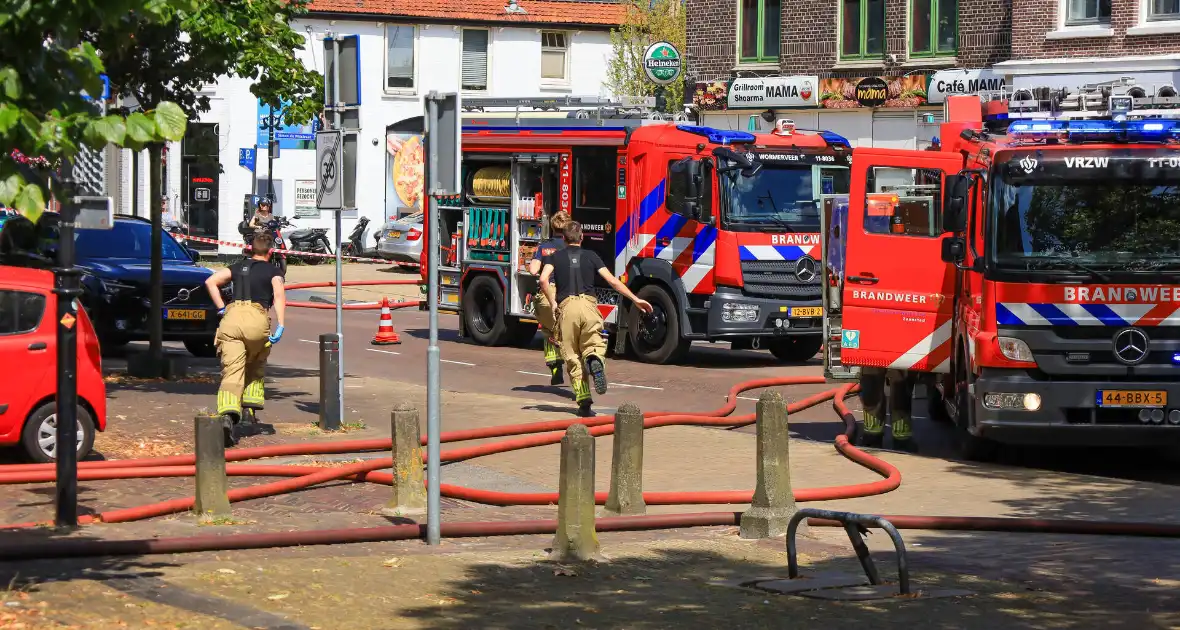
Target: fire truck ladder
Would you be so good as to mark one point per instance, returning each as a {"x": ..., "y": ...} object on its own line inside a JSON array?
[
  {"x": 1120, "y": 98},
  {"x": 589, "y": 108}
]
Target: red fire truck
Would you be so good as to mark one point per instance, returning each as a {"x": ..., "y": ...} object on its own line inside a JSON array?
[
  {"x": 719, "y": 230},
  {"x": 1028, "y": 273}
]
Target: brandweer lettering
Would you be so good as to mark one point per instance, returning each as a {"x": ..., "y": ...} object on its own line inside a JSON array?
[
  {"x": 889, "y": 296},
  {"x": 1122, "y": 294},
  {"x": 794, "y": 239}
]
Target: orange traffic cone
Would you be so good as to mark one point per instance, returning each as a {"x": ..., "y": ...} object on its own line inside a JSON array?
[{"x": 386, "y": 335}]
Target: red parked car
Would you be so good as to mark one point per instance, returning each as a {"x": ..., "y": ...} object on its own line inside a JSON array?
[{"x": 28, "y": 349}]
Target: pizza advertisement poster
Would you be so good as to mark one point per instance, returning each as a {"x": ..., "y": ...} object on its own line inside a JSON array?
[
  {"x": 405, "y": 181},
  {"x": 850, "y": 93}
]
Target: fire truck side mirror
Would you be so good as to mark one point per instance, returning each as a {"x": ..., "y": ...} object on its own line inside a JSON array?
[
  {"x": 954, "y": 203},
  {"x": 954, "y": 249}
]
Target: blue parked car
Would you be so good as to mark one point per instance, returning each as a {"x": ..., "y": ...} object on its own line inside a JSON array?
[{"x": 116, "y": 273}]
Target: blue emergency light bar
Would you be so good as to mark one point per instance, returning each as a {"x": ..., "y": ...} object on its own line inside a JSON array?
[
  {"x": 719, "y": 136},
  {"x": 834, "y": 138},
  {"x": 1076, "y": 130}
]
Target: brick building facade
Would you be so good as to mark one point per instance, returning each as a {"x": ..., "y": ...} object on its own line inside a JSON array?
[{"x": 903, "y": 42}]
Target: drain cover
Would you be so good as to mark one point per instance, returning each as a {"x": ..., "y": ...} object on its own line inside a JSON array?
[{"x": 883, "y": 591}]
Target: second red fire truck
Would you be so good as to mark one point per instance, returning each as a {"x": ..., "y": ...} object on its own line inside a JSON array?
[
  {"x": 717, "y": 229},
  {"x": 1028, "y": 273}
]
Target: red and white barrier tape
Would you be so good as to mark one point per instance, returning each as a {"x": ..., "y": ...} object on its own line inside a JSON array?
[{"x": 292, "y": 252}]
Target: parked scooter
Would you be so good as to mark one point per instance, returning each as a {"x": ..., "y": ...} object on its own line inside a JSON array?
[
  {"x": 278, "y": 259},
  {"x": 311, "y": 240},
  {"x": 355, "y": 245}
]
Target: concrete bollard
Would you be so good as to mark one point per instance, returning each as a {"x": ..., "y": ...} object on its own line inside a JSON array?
[
  {"x": 212, "y": 484},
  {"x": 626, "y": 474},
  {"x": 774, "y": 501},
  {"x": 576, "y": 539},
  {"x": 409, "y": 482}
]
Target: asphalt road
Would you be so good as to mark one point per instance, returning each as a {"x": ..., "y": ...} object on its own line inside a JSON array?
[{"x": 700, "y": 384}]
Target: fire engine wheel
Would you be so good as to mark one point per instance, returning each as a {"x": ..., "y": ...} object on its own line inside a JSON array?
[
  {"x": 656, "y": 338},
  {"x": 483, "y": 311},
  {"x": 971, "y": 447},
  {"x": 796, "y": 349}
]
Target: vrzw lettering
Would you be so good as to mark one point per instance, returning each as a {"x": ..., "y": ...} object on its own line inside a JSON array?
[
  {"x": 794, "y": 239},
  {"x": 888, "y": 296},
  {"x": 1087, "y": 162},
  {"x": 1149, "y": 295}
]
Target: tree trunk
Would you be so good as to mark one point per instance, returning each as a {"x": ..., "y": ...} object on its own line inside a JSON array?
[{"x": 156, "y": 310}]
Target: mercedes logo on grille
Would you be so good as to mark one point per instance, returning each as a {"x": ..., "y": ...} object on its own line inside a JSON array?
[
  {"x": 1130, "y": 346},
  {"x": 805, "y": 269}
]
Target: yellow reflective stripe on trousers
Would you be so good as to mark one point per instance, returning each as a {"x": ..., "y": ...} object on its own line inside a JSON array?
[
  {"x": 552, "y": 353},
  {"x": 581, "y": 390},
  {"x": 255, "y": 393},
  {"x": 227, "y": 402},
  {"x": 872, "y": 422},
  {"x": 901, "y": 425}
]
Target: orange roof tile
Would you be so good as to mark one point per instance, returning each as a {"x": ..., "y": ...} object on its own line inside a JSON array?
[{"x": 537, "y": 11}]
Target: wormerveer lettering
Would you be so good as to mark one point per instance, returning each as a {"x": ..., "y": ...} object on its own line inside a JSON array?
[{"x": 1122, "y": 294}]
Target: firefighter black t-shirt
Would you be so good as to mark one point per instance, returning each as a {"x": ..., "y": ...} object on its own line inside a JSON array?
[
  {"x": 547, "y": 249},
  {"x": 260, "y": 281},
  {"x": 574, "y": 271}
]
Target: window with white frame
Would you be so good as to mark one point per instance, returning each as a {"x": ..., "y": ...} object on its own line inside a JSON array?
[
  {"x": 1087, "y": 12},
  {"x": 1163, "y": 10},
  {"x": 475, "y": 60},
  {"x": 554, "y": 57},
  {"x": 400, "y": 57}
]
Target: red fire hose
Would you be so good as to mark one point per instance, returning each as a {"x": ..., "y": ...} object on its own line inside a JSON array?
[{"x": 537, "y": 434}]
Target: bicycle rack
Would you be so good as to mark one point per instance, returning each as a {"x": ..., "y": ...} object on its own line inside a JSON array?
[{"x": 856, "y": 525}]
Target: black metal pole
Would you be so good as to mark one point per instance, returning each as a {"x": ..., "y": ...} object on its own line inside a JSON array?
[
  {"x": 156, "y": 270},
  {"x": 271, "y": 121},
  {"x": 329, "y": 382},
  {"x": 67, "y": 290}
]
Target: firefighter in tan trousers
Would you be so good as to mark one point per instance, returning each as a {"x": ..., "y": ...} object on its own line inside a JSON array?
[
  {"x": 543, "y": 309},
  {"x": 574, "y": 270},
  {"x": 244, "y": 337}
]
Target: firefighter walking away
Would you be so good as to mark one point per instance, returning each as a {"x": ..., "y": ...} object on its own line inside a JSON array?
[
  {"x": 543, "y": 308},
  {"x": 244, "y": 336},
  {"x": 567, "y": 280}
]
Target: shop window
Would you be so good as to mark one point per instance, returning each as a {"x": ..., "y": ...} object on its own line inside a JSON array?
[
  {"x": 554, "y": 57},
  {"x": 904, "y": 201},
  {"x": 400, "y": 58},
  {"x": 933, "y": 27},
  {"x": 475, "y": 59},
  {"x": 1087, "y": 12},
  {"x": 760, "y": 34},
  {"x": 862, "y": 29},
  {"x": 1160, "y": 10}
]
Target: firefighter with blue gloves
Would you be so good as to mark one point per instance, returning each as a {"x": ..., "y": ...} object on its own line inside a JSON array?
[{"x": 244, "y": 336}]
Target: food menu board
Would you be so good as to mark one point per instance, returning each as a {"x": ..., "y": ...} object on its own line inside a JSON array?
[{"x": 404, "y": 174}]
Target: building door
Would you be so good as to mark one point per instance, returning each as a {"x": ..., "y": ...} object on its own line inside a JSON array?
[{"x": 199, "y": 186}]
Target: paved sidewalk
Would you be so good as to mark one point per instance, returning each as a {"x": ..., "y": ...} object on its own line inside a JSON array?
[{"x": 654, "y": 580}]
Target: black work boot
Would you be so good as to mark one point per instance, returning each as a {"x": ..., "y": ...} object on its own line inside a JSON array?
[
  {"x": 870, "y": 439},
  {"x": 585, "y": 409},
  {"x": 556, "y": 374},
  {"x": 228, "y": 422},
  {"x": 598, "y": 373}
]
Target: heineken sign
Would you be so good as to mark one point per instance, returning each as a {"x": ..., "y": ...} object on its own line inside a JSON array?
[{"x": 662, "y": 63}]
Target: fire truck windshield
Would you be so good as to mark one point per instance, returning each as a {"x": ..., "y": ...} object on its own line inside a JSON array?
[
  {"x": 1091, "y": 213},
  {"x": 775, "y": 199}
]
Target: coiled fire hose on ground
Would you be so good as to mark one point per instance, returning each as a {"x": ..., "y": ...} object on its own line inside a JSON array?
[{"x": 534, "y": 434}]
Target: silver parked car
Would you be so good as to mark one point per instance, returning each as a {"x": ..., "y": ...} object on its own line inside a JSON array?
[{"x": 401, "y": 239}]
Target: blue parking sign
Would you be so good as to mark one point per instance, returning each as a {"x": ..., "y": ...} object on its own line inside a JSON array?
[{"x": 246, "y": 157}]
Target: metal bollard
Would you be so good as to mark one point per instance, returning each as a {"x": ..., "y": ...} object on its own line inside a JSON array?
[
  {"x": 212, "y": 499},
  {"x": 774, "y": 501},
  {"x": 329, "y": 382},
  {"x": 409, "y": 480}
]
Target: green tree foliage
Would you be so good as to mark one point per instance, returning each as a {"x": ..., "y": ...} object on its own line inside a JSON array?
[
  {"x": 645, "y": 23},
  {"x": 171, "y": 59},
  {"x": 44, "y": 69}
]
